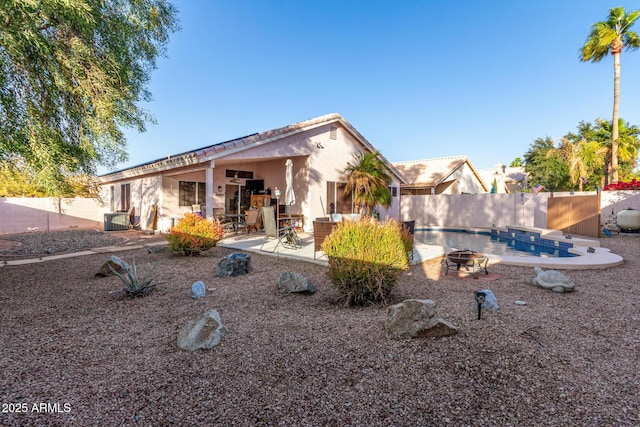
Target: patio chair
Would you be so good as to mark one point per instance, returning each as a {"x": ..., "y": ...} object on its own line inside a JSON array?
[
  {"x": 227, "y": 224},
  {"x": 321, "y": 229},
  {"x": 254, "y": 219},
  {"x": 286, "y": 235}
]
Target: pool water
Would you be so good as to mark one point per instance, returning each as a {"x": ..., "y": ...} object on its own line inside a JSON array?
[{"x": 485, "y": 243}]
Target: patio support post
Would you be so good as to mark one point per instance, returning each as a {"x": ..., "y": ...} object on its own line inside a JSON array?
[{"x": 209, "y": 190}]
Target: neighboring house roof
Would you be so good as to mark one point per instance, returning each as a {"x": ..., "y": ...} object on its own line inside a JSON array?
[
  {"x": 432, "y": 172},
  {"x": 221, "y": 149},
  {"x": 514, "y": 178}
]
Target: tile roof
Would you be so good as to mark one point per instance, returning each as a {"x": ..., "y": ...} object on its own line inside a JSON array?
[
  {"x": 429, "y": 172},
  {"x": 221, "y": 149}
]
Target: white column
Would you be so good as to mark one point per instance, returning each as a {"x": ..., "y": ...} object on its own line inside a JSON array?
[{"x": 209, "y": 189}]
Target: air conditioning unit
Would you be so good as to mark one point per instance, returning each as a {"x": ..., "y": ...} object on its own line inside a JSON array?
[{"x": 116, "y": 221}]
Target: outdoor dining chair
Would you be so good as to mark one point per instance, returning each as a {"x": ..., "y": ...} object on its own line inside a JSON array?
[
  {"x": 286, "y": 236},
  {"x": 253, "y": 219},
  {"x": 227, "y": 224}
]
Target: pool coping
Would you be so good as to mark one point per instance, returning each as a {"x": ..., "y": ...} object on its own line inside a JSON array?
[{"x": 600, "y": 258}]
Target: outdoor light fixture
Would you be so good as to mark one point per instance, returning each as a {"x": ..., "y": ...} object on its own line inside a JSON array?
[
  {"x": 480, "y": 299},
  {"x": 219, "y": 188}
]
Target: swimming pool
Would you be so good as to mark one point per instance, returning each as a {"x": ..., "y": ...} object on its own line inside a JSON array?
[{"x": 484, "y": 242}]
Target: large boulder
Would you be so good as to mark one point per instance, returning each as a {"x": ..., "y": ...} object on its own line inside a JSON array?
[
  {"x": 234, "y": 265},
  {"x": 204, "y": 332},
  {"x": 295, "y": 282},
  {"x": 553, "y": 280},
  {"x": 119, "y": 265},
  {"x": 415, "y": 318}
]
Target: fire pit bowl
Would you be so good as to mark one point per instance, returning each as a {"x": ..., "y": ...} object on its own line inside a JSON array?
[{"x": 466, "y": 257}]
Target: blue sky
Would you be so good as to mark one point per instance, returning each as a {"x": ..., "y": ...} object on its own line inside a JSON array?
[{"x": 419, "y": 79}]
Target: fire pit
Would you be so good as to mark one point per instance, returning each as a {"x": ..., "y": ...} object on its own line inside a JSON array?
[{"x": 466, "y": 258}]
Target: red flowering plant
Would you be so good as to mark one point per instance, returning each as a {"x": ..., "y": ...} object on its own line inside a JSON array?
[
  {"x": 631, "y": 185},
  {"x": 194, "y": 234}
]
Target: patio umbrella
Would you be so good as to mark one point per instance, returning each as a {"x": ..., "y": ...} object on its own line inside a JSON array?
[{"x": 289, "y": 195}]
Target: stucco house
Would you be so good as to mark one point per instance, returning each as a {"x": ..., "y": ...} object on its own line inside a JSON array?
[
  {"x": 232, "y": 176},
  {"x": 446, "y": 175},
  {"x": 504, "y": 179}
]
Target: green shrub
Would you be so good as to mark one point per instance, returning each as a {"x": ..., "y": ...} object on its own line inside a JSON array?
[
  {"x": 194, "y": 234},
  {"x": 365, "y": 259}
]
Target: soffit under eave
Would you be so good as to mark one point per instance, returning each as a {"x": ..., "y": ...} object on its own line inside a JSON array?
[{"x": 152, "y": 168}]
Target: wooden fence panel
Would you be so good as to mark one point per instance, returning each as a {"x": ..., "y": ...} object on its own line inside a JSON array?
[{"x": 579, "y": 215}]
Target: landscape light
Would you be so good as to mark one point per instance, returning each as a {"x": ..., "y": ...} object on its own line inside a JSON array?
[{"x": 480, "y": 299}]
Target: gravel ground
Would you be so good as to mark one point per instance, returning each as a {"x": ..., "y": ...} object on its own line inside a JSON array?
[
  {"x": 296, "y": 360},
  {"x": 55, "y": 242}
]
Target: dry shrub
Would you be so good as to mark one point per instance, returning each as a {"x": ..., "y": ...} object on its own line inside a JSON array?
[{"x": 365, "y": 259}]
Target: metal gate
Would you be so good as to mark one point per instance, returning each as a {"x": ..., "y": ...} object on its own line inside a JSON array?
[{"x": 579, "y": 215}]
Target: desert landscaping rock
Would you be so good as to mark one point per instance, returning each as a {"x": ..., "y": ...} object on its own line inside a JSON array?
[
  {"x": 202, "y": 333},
  {"x": 415, "y": 318},
  {"x": 198, "y": 290},
  {"x": 105, "y": 271},
  {"x": 157, "y": 249},
  {"x": 490, "y": 301},
  {"x": 234, "y": 265},
  {"x": 292, "y": 282}
]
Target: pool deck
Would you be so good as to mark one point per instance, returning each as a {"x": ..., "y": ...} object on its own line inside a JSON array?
[{"x": 599, "y": 259}]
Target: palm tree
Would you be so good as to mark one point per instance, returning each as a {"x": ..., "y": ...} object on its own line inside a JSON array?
[
  {"x": 368, "y": 181},
  {"x": 583, "y": 158},
  {"x": 611, "y": 36},
  {"x": 627, "y": 141}
]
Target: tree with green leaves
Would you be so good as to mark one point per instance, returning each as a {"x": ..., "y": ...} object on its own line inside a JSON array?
[
  {"x": 14, "y": 182},
  {"x": 516, "y": 163},
  {"x": 546, "y": 166},
  {"x": 368, "y": 180},
  {"x": 72, "y": 75},
  {"x": 612, "y": 36}
]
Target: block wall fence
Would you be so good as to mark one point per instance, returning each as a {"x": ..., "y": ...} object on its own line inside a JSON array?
[{"x": 23, "y": 214}]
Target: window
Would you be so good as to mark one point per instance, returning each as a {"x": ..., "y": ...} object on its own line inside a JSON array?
[
  {"x": 230, "y": 173},
  {"x": 393, "y": 191},
  {"x": 125, "y": 197},
  {"x": 337, "y": 201},
  {"x": 192, "y": 193}
]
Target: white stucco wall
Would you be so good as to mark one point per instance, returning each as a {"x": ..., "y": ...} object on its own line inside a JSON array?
[
  {"x": 144, "y": 192},
  {"x": 316, "y": 158}
]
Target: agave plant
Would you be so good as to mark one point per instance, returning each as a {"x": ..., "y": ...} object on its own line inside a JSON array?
[{"x": 134, "y": 287}]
